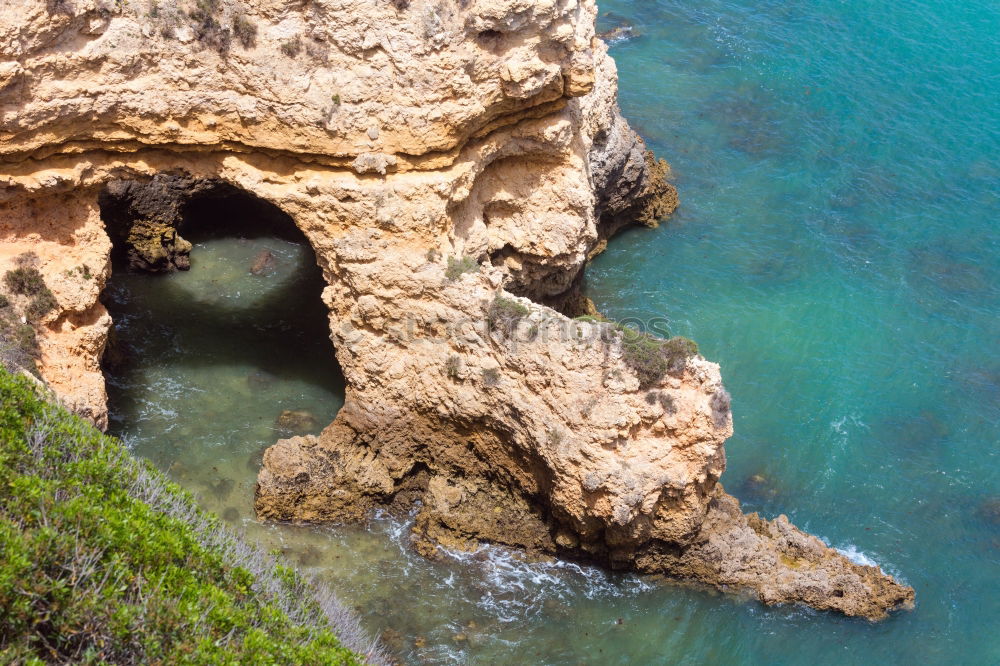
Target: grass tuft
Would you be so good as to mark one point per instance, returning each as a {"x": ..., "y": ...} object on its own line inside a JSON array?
[
  {"x": 505, "y": 314},
  {"x": 491, "y": 376},
  {"x": 206, "y": 26},
  {"x": 459, "y": 266},
  {"x": 26, "y": 281},
  {"x": 245, "y": 30},
  {"x": 292, "y": 47},
  {"x": 453, "y": 366},
  {"x": 18, "y": 344},
  {"x": 652, "y": 358}
]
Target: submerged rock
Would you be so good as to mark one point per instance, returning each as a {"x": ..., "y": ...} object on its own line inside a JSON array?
[
  {"x": 759, "y": 487},
  {"x": 263, "y": 263},
  {"x": 619, "y": 33},
  {"x": 222, "y": 488},
  {"x": 309, "y": 556},
  {"x": 989, "y": 511},
  {"x": 178, "y": 469},
  {"x": 393, "y": 639},
  {"x": 297, "y": 421},
  {"x": 259, "y": 380}
]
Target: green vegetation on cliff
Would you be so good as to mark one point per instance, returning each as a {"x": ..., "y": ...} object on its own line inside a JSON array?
[
  {"x": 26, "y": 300},
  {"x": 651, "y": 358},
  {"x": 105, "y": 560}
]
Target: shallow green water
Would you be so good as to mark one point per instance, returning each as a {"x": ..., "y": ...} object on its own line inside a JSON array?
[
  {"x": 215, "y": 355},
  {"x": 836, "y": 251},
  {"x": 212, "y": 357}
]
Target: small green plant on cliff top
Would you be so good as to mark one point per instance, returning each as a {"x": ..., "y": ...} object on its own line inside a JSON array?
[
  {"x": 505, "y": 314},
  {"x": 39, "y": 306},
  {"x": 650, "y": 358},
  {"x": 56, "y": 6},
  {"x": 452, "y": 366},
  {"x": 592, "y": 319},
  {"x": 491, "y": 376},
  {"x": 208, "y": 6},
  {"x": 459, "y": 266},
  {"x": 292, "y": 47},
  {"x": 106, "y": 561},
  {"x": 18, "y": 345},
  {"x": 207, "y": 29},
  {"x": 245, "y": 30},
  {"x": 26, "y": 280}
]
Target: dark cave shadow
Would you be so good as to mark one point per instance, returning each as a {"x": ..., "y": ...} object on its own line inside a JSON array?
[{"x": 225, "y": 333}]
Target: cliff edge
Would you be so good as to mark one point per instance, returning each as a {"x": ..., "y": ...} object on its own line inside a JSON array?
[{"x": 453, "y": 165}]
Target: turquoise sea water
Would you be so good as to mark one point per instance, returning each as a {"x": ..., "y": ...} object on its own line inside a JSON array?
[{"x": 836, "y": 251}]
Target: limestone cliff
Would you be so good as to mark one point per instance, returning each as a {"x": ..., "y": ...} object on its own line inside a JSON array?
[{"x": 453, "y": 165}]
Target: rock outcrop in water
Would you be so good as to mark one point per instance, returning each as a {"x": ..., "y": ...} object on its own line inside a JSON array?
[{"x": 453, "y": 165}]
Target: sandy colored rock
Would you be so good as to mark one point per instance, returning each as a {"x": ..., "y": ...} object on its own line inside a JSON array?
[
  {"x": 777, "y": 562},
  {"x": 398, "y": 136}
]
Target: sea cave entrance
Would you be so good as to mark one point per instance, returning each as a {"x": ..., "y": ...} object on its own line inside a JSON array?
[{"x": 207, "y": 367}]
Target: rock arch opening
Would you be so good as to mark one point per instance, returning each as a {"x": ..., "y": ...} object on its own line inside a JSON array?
[{"x": 220, "y": 344}]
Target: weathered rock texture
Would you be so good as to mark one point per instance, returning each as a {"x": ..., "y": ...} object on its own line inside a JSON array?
[{"x": 401, "y": 137}]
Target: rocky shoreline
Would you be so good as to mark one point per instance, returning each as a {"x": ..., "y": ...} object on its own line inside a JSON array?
[{"x": 453, "y": 170}]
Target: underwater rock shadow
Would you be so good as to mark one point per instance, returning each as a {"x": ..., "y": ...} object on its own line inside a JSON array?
[
  {"x": 942, "y": 268},
  {"x": 751, "y": 122}
]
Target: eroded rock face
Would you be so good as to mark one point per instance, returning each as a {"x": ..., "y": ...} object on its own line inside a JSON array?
[
  {"x": 144, "y": 217},
  {"x": 409, "y": 142}
]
